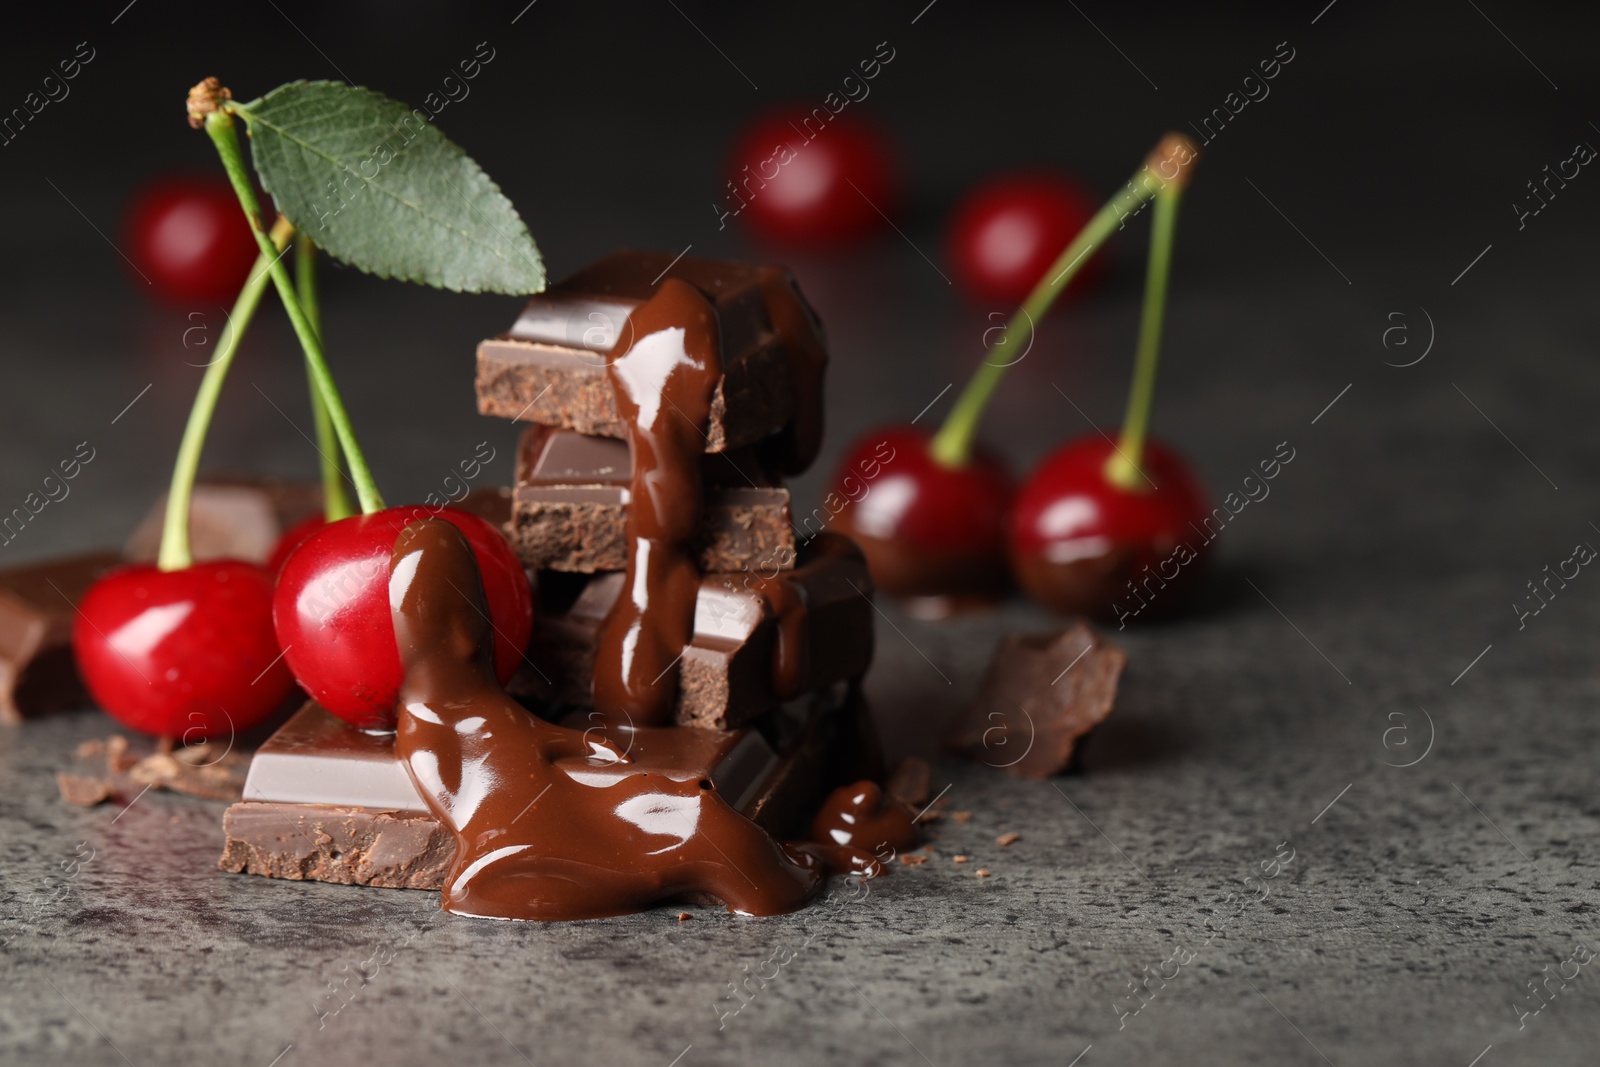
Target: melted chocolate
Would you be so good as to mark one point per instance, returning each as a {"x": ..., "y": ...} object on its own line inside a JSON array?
[
  {"x": 664, "y": 376},
  {"x": 549, "y": 822},
  {"x": 864, "y": 816}
]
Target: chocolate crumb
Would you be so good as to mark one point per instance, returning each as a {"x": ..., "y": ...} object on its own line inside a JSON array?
[
  {"x": 1007, "y": 838},
  {"x": 911, "y": 859},
  {"x": 91, "y": 749},
  {"x": 959, "y": 859},
  {"x": 910, "y": 781},
  {"x": 982, "y": 872},
  {"x": 962, "y": 817},
  {"x": 684, "y": 916},
  {"x": 82, "y": 790}
]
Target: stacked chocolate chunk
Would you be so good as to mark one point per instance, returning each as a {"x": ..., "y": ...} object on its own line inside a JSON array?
[{"x": 666, "y": 401}]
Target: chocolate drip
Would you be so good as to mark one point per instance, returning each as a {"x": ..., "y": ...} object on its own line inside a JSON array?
[
  {"x": 859, "y": 824},
  {"x": 664, "y": 377},
  {"x": 800, "y": 332},
  {"x": 549, "y": 822}
]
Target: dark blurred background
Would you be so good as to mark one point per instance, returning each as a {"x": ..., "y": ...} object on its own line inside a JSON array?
[{"x": 1391, "y": 149}]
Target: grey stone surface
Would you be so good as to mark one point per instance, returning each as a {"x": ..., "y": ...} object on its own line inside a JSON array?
[{"x": 1331, "y": 645}]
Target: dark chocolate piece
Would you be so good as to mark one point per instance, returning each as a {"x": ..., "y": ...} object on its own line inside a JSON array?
[
  {"x": 236, "y": 518},
  {"x": 329, "y": 843},
  {"x": 570, "y": 505},
  {"x": 744, "y": 658},
  {"x": 550, "y": 367},
  {"x": 37, "y": 606},
  {"x": 1041, "y": 694}
]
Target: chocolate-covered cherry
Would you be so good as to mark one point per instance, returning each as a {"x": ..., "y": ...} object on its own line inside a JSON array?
[
  {"x": 186, "y": 653},
  {"x": 332, "y": 612},
  {"x": 796, "y": 182},
  {"x": 1006, "y": 232},
  {"x": 926, "y": 528},
  {"x": 1082, "y": 544}
]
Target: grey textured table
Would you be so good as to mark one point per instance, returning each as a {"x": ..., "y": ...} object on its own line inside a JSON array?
[{"x": 1359, "y": 619}]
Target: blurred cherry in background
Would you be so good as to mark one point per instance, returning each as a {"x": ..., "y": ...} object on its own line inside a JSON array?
[
  {"x": 797, "y": 181},
  {"x": 1006, "y": 232},
  {"x": 188, "y": 237}
]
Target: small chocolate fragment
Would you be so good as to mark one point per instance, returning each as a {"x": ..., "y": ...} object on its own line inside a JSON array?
[
  {"x": 729, "y": 673},
  {"x": 550, "y": 367},
  {"x": 108, "y": 769},
  {"x": 1040, "y": 695},
  {"x": 37, "y": 606},
  {"x": 910, "y": 781},
  {"x": 232, "y": 518},
  {"x": 569, "y": 509}
]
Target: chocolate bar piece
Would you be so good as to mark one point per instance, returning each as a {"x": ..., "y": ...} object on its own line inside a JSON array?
[
  {"x": 550, "y": 367},
  {"x": 235, "y": 518},
  {"x": 326, "y": 802},
  {"x": 37, "y": 605},
  {"x": 733, "y": 669},
  {"x": 569, "y": 508},
  {"x": 1040, "y": 696}
]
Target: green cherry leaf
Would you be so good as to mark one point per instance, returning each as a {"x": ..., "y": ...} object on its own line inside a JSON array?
[{"x": 374, "y": 183}]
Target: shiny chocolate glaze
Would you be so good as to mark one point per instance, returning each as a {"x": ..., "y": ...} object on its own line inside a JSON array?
[
  {"x": 550, "y": 822},
  {"x": 664, "y": 375},
  {"x": 860, "y": 827}
]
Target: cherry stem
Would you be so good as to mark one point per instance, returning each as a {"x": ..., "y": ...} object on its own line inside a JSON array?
[
  {"x": 174, "y": 553},
  {"x": 220, "y": 126},
  {"x": 1122, "y": 469},
  {"x": 952, "y": 445},
  {"x": 335, "y": 501}
]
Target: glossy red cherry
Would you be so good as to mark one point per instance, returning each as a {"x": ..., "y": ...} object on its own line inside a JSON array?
[
  {"x": 185, "y": 653},
  {"x": 927, "y": 530},
  {"x": 189, "y": 238},
  {"x": 291, "y": 539},
  {"x": 1083, "y": 545},
  {"x": 797, "y": 181},
  {"x": 332, "y": 614},
  {"x": 1006, "y": 233}
]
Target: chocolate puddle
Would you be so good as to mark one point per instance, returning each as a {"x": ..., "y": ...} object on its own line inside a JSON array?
[
  {"x": 554, "y": 823},
  {"x": 664, "y": 380}
]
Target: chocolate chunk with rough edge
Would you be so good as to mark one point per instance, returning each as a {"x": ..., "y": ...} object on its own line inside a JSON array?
[{"x": 1040, "y": 696}]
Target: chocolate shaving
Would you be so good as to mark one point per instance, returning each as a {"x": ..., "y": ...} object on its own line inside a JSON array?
[{"x": 111, "y": 769}]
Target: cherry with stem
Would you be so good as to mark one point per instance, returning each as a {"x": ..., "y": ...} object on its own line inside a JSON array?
[
  {"x": 1105, "y": 529},
  {"x": 932, "y": 517},
  {"x": 331, "y": 606},
  {"x": 180, "y": 648}
]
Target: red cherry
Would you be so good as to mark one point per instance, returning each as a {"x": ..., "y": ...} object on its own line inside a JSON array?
[
  {"x": 926, "y": 529},
  {"x": 796, "y": 181},
  {"x": 291, "y": 539},
  {"x": 188, "y": 236},
  {"x": 331, "y": 609},
  {"x": 1082, "y": 545},
  {"x": 186, "y": 653},
  {"x": 1006, "y": 233}
]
